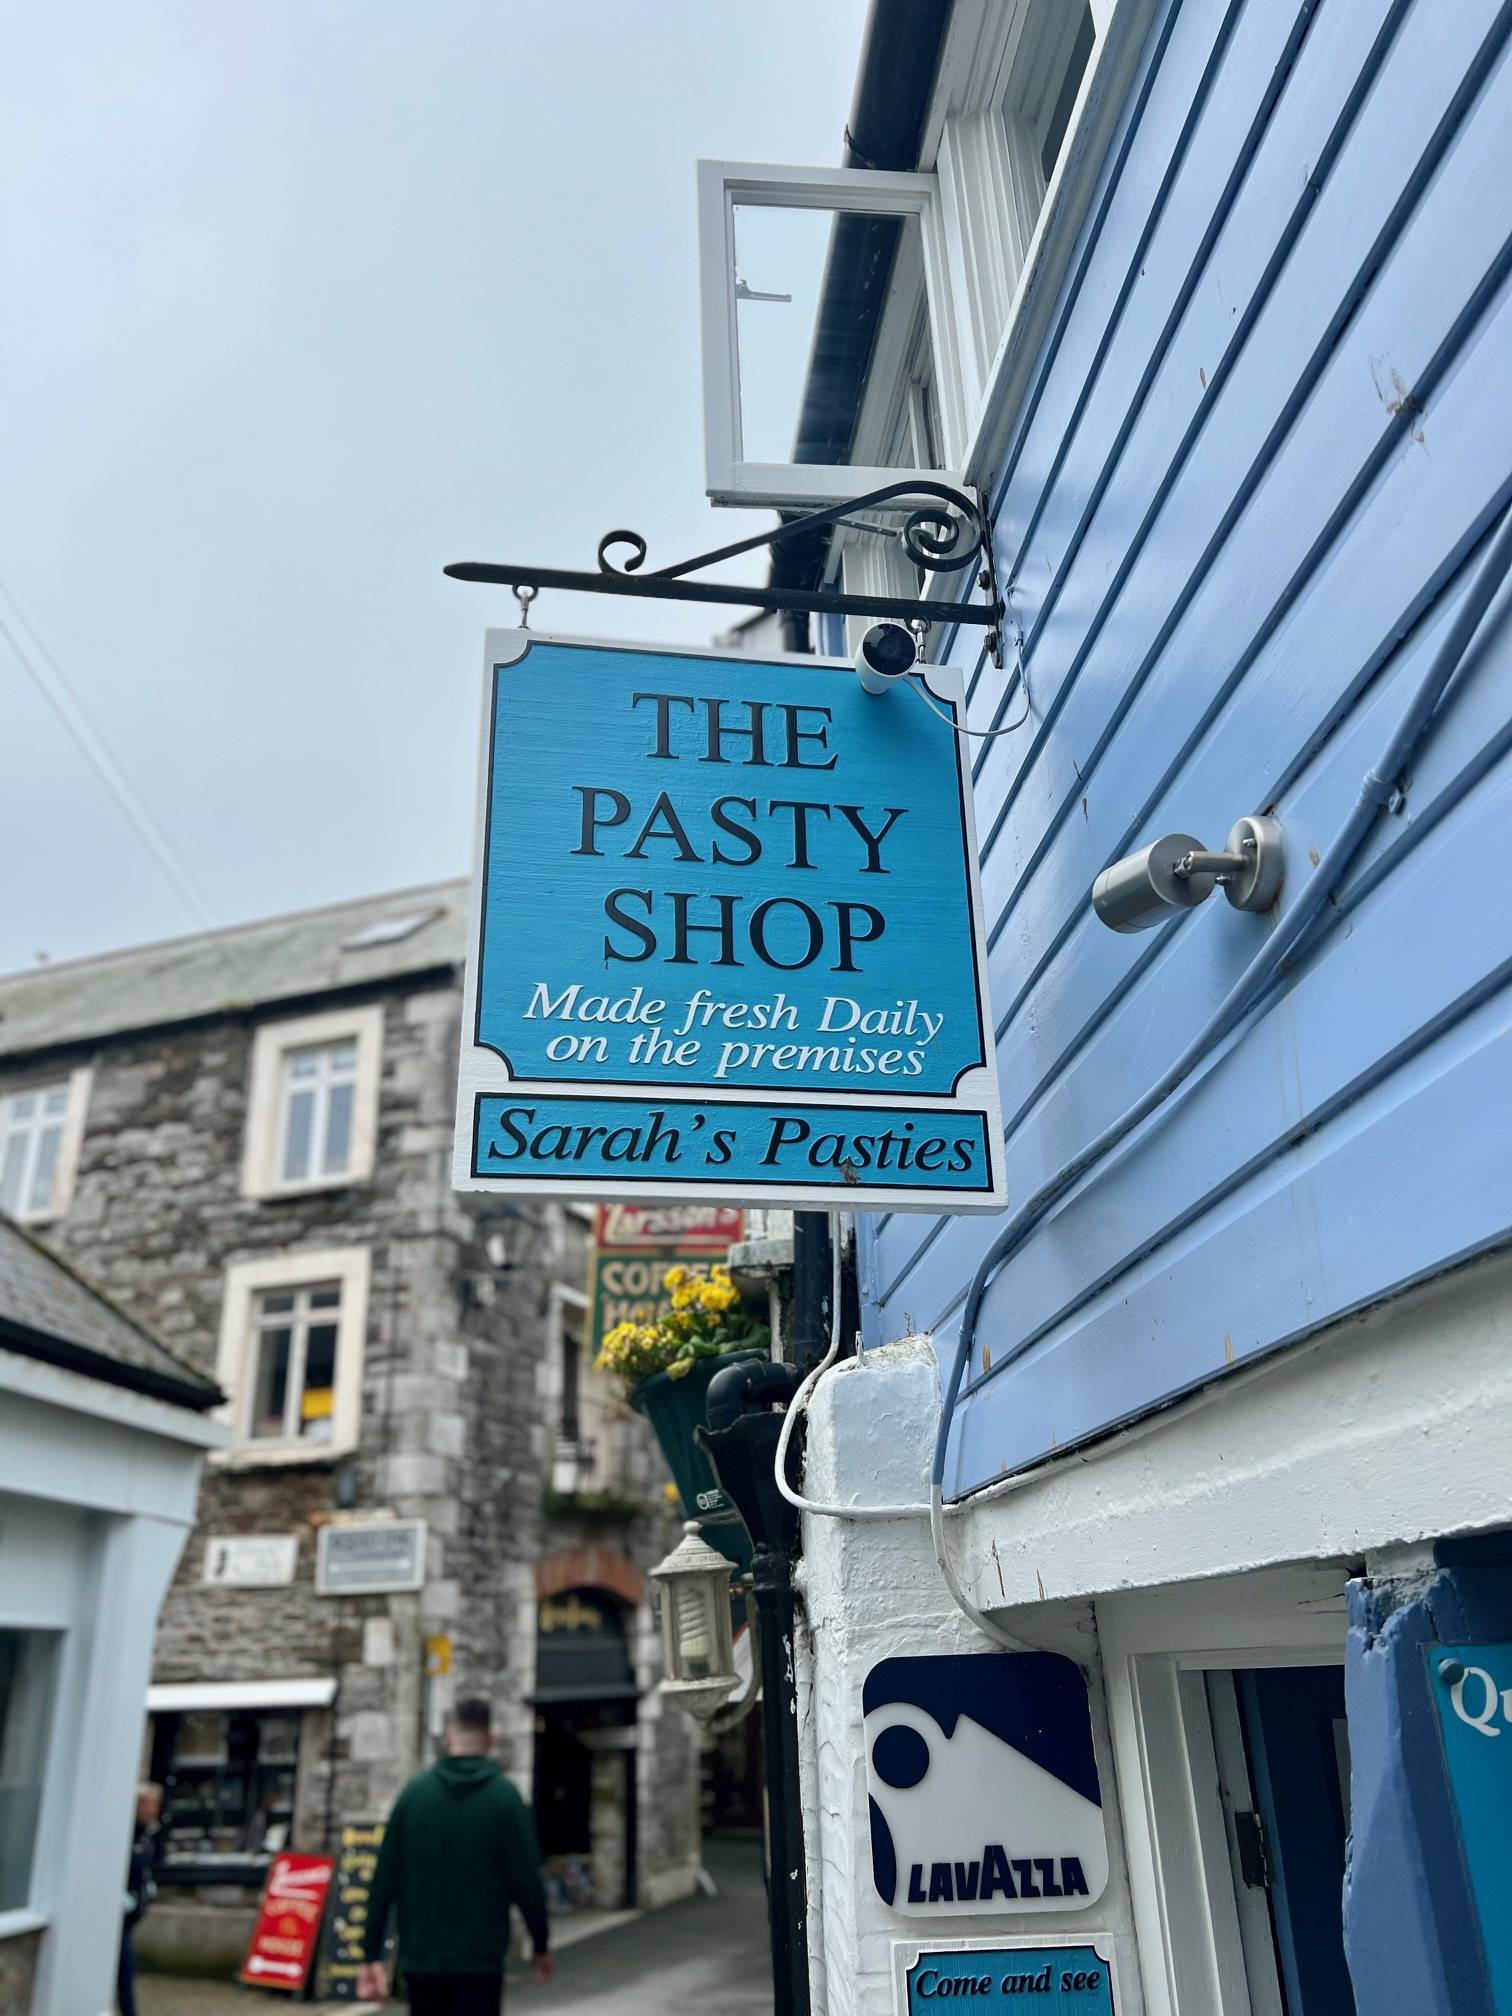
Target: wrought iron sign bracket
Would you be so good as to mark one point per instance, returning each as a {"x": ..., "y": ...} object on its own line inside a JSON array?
[{"x": 944, "y": 535}]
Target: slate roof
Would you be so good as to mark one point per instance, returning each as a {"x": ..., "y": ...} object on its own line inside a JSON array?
[
  {"x": 48, "y": 1311},
  {"x": 216, "y": 972}
]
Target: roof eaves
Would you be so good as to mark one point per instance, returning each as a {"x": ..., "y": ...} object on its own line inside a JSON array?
[{"x": 895, "y": 80}]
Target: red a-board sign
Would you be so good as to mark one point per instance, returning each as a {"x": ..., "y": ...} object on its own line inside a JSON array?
[{"x": 282, "y": 1949}]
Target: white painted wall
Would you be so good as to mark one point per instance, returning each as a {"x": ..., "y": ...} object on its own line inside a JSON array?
[
  {"x": 871, "y": 1591},
  {"x": 1218, "y": 1533},
  {"x": 97, "y": 1495}
]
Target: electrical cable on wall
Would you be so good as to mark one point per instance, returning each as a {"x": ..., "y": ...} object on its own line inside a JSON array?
[{"x": 1381, "y": 787}]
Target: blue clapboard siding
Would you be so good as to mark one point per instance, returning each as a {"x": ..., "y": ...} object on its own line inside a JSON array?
[{"x": 1270, "y": 430}]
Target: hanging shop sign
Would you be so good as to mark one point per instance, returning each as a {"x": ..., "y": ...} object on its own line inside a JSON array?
[
  {"x": 727, "y": 937},
  {"x": 998, "y": 1977},
  {"x": 370, "y": 1558},
  {"x": 281, "y": 1951},
  {"x": 1472, "y": 1689},
  {"x": 983, "y": 1783},
  {"x": 346, "y": 1922}
]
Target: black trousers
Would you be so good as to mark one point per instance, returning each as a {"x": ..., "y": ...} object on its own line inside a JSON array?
[
  {"x": 126, "y": 1976},
  {"x": 455, "y": 1994}
]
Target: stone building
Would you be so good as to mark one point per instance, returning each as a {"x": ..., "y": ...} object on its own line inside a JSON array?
[{"x": 243, "y": 1138}]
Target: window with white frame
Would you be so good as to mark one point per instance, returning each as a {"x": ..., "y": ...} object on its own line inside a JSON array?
[
  {"x": 41, "y": 1127},
  {"x": 292, "y": 1363},
  {"x": 28, "y": 1687},
  {"x": 313, "y": 1105},
  {"x": 293, "y": 1332},
  {"x": 857, "y": 324}
]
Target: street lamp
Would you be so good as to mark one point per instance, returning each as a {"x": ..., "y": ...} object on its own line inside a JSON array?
[{"x": 697, "y": 1646}]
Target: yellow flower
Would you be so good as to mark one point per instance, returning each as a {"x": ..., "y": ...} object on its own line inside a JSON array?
[{"x": 674, "y": 1278}]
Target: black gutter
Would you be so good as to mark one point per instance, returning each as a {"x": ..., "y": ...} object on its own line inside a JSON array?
[
  {"x": 197, "y": 1396},
  {"x": 900, "y": 58}
]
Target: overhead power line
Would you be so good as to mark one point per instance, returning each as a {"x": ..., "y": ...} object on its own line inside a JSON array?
[{"x": 70, "y": 709}]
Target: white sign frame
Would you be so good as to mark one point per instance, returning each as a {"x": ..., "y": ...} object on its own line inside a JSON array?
[
  {"x": 392, "y": 1586},
  {"x": 484, "y": 1074}
]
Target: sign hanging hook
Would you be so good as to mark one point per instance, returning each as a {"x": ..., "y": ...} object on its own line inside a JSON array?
[{"x": 524, "y": 594}]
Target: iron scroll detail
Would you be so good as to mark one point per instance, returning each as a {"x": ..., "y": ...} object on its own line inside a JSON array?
[{"x": 944, "y": 531}]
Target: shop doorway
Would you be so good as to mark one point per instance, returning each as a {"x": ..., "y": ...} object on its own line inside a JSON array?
[
  {"x": 1282, "y": 1751},
  {"x": 584, "y": 1779},
  {"x": 1226, "y": 1708}
]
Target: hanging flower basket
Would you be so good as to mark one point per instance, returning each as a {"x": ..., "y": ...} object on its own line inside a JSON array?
[
  {"x": 665, "y": 1368},
  {"x": 674, "y": 1408}
]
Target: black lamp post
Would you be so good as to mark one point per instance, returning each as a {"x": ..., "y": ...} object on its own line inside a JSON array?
[{"x": 741, "y": 1442}]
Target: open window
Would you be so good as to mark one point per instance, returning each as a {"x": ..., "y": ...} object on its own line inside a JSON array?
[
  {"x": 817, "y": 282},
  {"x": 861, "y": 327}
]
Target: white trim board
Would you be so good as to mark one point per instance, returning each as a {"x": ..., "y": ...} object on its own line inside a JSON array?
[{"x": 1284, "y": 1462}]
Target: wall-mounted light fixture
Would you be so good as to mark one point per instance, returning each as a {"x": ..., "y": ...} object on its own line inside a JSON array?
[
  {"x": 697, "y": 1650},
  {"x": 1178, "y": 873}
]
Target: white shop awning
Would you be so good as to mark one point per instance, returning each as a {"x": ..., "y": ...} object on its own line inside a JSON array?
[{"x": 184, "y": 1694}]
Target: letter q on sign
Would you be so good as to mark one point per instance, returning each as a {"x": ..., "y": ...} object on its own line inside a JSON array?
[{"x": 1478, "y": 1702}]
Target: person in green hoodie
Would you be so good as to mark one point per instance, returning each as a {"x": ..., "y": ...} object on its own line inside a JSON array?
[{"x": 458, "y": 1851}]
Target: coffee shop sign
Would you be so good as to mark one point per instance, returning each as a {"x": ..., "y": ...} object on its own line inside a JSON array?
[{"x": 727, "y": 936}]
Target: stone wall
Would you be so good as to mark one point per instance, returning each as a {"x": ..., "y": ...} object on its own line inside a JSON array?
[
  {"x": 447, "y": 1413},
  {"x": 18, "y": 1967},
  {"x": 457, "y": 1421}
]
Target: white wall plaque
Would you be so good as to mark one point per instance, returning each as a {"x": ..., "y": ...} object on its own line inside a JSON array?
[
  {"x": 251, "y": 1560},
  {"x": 379, "y": 1556}
]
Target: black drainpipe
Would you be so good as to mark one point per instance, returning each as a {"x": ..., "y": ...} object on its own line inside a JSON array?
[
  {"x": 900, "y": 56},
  {"x": 741, "y": 1443}
]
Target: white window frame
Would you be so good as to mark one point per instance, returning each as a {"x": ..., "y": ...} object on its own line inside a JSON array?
[
  {"x": 725, "y": 186},
  {"x": 348, "y": 1266},
  {"x": 263, "y": 1144},
  {"x": 990, "y": 298},
  {"x": 77, "y": 1082},
  {"x": 1157, "y": 1648}
]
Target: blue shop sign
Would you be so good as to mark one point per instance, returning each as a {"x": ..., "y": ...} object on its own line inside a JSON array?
[
  {"x": 727, "y": 938},
  {"x": 1007, "y": 1977},
  {"x": 1472, "y": 1686}
]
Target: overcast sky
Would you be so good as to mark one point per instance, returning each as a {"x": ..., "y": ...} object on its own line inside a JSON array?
[{"x": 303, "y": 299}]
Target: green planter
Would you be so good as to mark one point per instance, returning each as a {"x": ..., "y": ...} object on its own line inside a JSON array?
[{"x": 674, "y": 1408}]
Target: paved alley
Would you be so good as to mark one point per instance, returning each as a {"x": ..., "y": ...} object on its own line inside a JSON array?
[{"x": 707, "y": 1955}]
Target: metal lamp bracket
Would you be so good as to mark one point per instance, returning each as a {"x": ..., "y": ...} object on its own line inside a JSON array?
[{"x": 945, "y": 531}]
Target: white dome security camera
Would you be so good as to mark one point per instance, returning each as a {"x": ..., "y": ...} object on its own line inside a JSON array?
[{"x": 885, "y": 655}]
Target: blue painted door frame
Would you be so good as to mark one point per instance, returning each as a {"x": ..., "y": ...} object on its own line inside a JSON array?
[{"x": 1410, "y": 1926}]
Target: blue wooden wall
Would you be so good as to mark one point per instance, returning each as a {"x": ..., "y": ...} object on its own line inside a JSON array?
[{"x": 1269, "y": 432}]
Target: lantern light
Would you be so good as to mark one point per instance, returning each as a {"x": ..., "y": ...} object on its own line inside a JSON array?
[{"x": 697, "y": 1645}]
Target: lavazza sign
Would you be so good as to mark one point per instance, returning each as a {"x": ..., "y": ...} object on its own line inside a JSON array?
[{"x": 726, "y": 937}]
